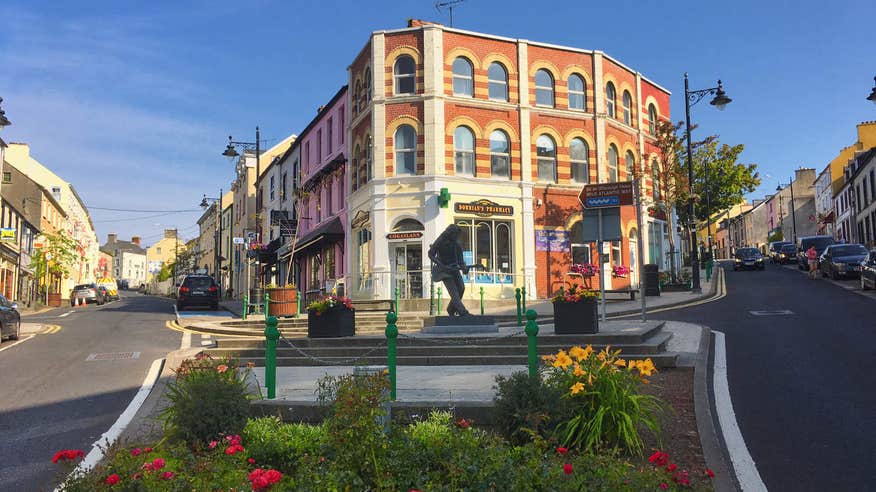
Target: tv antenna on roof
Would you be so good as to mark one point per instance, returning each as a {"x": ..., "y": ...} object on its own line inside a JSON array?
[{"x": 449, "y": 4}]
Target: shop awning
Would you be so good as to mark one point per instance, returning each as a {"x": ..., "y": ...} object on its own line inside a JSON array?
[{"x": 331, "y": 231}]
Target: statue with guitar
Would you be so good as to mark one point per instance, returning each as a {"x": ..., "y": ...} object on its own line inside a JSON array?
[{"x": 449, "y": 266}]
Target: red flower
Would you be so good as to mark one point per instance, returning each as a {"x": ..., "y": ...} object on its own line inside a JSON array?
[
  {"x": 463, "y": 424},
  {"x": 671, "y": 468},
  {"x": 233, "y": 440},
  {"x": 567, "y": 468},
  {"x": 147, "y": 450},
  {"x": 136, "y": 451},
  {"x": 262, "y": 479},
  {"x": 213, "y": 444},
  {"x": 234, "y": 448},
  {"x": 562, "y": 450},
  {"x": 157, "y": 464},
  {"x": 112, "y": 479},
  {"x": 659, "y": 458},
  {"x": 137, "y": 476},
  {"x": 67, "y": 454},
  {"x": 167, "y": 475},
  {"x": 251, "y": 461},
  {"x": 664, "y": 485},
  {"x": 710, "y": 473}
]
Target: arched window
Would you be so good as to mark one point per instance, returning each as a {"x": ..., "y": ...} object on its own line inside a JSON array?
[
  {"x": 652, "y": 120},
  {"x": 544, "y": 88},
  {"x": 577, "y": 92},
  {"x": 368, "y": 148},
  {"x": 404, "y": 72},
  {"x": 612, "y": 163},
  {"x": 579, "y": 155},
  {"x": 463, "y": 151},
  {"x": 628, "y": 108},
  {"x": 497, "y": 80},
  {"x": 405, "y": 150},
  {"x": 656, "y": 185},
  {"x": 580, "y": 249},
  {"x": 546, "y": 151},
  {"x": 463, "y": 77},
  {"x": 356, "y": 91},
  {"x": 408, "y": 225},
  {"x": 610, "y": 96},
  {"x": 367, "y": 85},
  {"x": 354, "y": 179},
  {"x": 500, "y": 154},
  {"x": 631, "y": 164}
]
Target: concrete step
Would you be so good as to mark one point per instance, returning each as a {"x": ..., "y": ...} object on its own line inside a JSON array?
[{"x": 664, "y": 359}]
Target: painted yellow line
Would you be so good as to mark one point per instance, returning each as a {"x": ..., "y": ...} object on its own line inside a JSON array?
[
  {"x": 173, "y": 325},
  {"x": 50, "y": 329},
  {"x": 719, "y": 294}
]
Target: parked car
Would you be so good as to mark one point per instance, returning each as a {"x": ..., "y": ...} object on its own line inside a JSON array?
[
  {"x": 842, "y": 260},
  {"x": 10, "y": 319},
  {"x": 803, "y": 243},
  {"x": 775, "y": 248},
  {"x": 868, "y": 271},
  {"x": 123, "y": 284},
  {"x": 748, "y": 258},
  {"x": 788, "y": 254},
  {"x": 197, "y": 290},
  {"x": 88, "y": 293}
]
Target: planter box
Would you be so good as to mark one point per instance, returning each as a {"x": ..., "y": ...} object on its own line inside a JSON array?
[
  {"x": 54, "y": 300},
  {"x": 283, "y": 301},
  {"x": 575, "y": 317},
  {"x": 334, "y": 323}
]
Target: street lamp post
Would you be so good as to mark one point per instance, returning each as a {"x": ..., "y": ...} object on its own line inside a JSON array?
[
  {"x": 231, "y": 153},
  {"x": 217, "y": 250},
  {"x": 691, "y": 98}
]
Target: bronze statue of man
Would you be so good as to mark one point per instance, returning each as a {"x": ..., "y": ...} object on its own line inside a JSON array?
[{"x": 447, "y": 262}]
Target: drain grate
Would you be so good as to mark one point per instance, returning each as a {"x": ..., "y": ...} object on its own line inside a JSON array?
[
  {"x": 113, "y": 356},
  {"x": 774, "y": 312}
]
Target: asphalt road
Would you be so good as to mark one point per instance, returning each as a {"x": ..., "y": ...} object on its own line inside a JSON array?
[
  {"x": 53, "y": 398},
  {"x": 801, "y": 382}
]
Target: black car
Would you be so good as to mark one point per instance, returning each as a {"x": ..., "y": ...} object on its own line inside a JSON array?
[
  {"x": 842, "y": 260},
  {"x": 10, "y": 320},
  {"x": 775, "y": 250},
  {"x": 868, "y": 271},
  {"x": 197, "y": 290},
  {"x": 87, "y": 293},
  {"x": 748, "y": 258},
  {"x": 819, "y": 242},
  {"x": 787, "y": 254}
]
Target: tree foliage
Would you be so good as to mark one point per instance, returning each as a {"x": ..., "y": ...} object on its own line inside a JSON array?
[
  {"x": 58, "y": 254},
  {"x": 720, "y": 179}
]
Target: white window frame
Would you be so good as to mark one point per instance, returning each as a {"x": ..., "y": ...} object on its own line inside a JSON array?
[
  {"x": 466, "y": 80},
  {"x": 462, "y": 158},
  {"x": 543, "y": 89},
  {"x": 582, "y": 93},
  {"x": 499, "y": 84},
  {"x": 398, "y": 78}
]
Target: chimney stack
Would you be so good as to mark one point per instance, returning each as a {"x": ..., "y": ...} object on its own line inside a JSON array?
[
  {"x": 135, "y": 240},
  {"x": 111, "y": 238},
  {"x": 170, "y": 233}
]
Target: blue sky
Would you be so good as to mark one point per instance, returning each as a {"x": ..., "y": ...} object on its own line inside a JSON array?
[{"x": 133, "y": 101}]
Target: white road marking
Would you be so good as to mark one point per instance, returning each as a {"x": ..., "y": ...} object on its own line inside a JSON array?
[
  {"x": 96, "y": 454},
  {"x": 186, "y": 342},
  {"x": 16, "y": 343},
  {"x": 743, "y": 465},
  {"x": 774, "y": 312},
  {"x": 68, "y": 313}
]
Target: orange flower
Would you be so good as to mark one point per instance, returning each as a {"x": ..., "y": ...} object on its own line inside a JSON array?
[
  {"x": 221, "y": 368},
  {"x": 578, "y": 371}
]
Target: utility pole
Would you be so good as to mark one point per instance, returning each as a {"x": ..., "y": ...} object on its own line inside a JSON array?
[{"x": 175, "y": 255}]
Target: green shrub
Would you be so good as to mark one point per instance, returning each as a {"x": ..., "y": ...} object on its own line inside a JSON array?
[
  {"x": 524, "y": 406},
  {"x": 271, "y": 442},
  {"x": 208, "y": 398}
]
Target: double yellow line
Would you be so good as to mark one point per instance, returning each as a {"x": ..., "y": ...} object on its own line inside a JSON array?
[
  {"x": 50, "y": 329},
  {"x": 720, "y": 293}
]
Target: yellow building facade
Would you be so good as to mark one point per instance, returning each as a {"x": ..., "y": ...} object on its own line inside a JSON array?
[
  {"x": 866, "y": 139},
  {"x": 163, "y": 252}
]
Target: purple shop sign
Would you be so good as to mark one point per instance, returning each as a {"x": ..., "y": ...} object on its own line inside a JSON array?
[{"x": 551, "y": 240}]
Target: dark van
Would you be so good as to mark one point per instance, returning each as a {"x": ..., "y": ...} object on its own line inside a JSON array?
[{"x": 820, "y": 242}]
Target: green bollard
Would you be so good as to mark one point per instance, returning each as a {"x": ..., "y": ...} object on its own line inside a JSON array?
[
  {"x": 709, "y": 265},
  {"x": 438, "y": 312},
  {"x": 523, "y": 297},
  {"x": 267, "y": 301},
  {"x": 396, "y": 301},
  {"x": 298, "y": 304},
  {"x": 532, "y": 350},
  {"x": 482, "y": 300},
  {"x": 391, "y": 336},
  {"x": 519, "y": 311},
  {"x": 272, "y": 334},
  {"x": 431, "y": 299},
  {"x": 245, "y": 305}
]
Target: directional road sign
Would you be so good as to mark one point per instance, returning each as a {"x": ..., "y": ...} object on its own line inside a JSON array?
[{"x": 603, "y": 195}]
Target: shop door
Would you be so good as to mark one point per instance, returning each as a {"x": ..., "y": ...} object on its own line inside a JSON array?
[{"x": 407, "y": 273}]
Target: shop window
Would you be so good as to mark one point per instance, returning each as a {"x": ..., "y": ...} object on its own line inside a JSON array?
[
  {"x": 500, "y": 154},
  {"x": 405, "y": 150},
  {"x": 363, "y": 258},
  {"x": 487, "y": 243},
  {"x": 610, "y": 99},
  {"x": 652, "y": 120},
  {"x": 616, "y": 258},
  {"x": 497, "y": 82},
  {"x": 579, "y": 155},
  {"x": 580, "y": 250},
  {"x": 463, "y": 151},
  {"x": 546, "y": 151},
  {"x": 628, "y": 108},
  {"x": 577, "y": 92},
  {"x": 463, "y": 77},
  {"x": 544, "y": 88},
  {"x": 404, "y": 72},
  {"x": 612, "y": 163}
]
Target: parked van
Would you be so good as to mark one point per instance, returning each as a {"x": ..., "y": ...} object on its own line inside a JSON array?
[
  {"x": 110, "y": 286},
  {"x": 820, "y": 242}
]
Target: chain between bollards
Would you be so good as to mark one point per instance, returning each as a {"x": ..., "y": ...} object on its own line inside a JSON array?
[
  {"x": 482, "y": 300},
  {"x": 391, "y": 338},
  {"x": 532, "y": 343},
  {"x": 519, "y": 311},
  {"x": 245, "y": 306},
  {"x": 438, "y": 311},
  {"x": 272, "y": 334}
]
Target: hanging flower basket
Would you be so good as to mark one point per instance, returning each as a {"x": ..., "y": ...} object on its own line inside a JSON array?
[
  {"x": 619, "y": 271},
  {"x": 584, "y": 269}
]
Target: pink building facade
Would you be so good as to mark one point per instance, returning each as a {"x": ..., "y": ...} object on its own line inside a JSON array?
[{"x": 322, "y": 213}]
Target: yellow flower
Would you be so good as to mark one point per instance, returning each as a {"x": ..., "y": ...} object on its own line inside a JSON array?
[
  {"x": 577, "y": 388},
  {"x": 588, "y": 351},
  {"x": 578, "y": 353},
  {"x": 563, "y": 360},
  {"x": 646, "y": 367},
  {"x": 601, "y": 356},
  {"x": 620, "y": 363},
  {"x": 548, "y": 358},
  {"x": 632, "y": 365},
  {"x": 578, "y": 371}
]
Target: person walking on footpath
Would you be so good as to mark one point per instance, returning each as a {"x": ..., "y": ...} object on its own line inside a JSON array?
[{"x": 812, "y": 256}]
